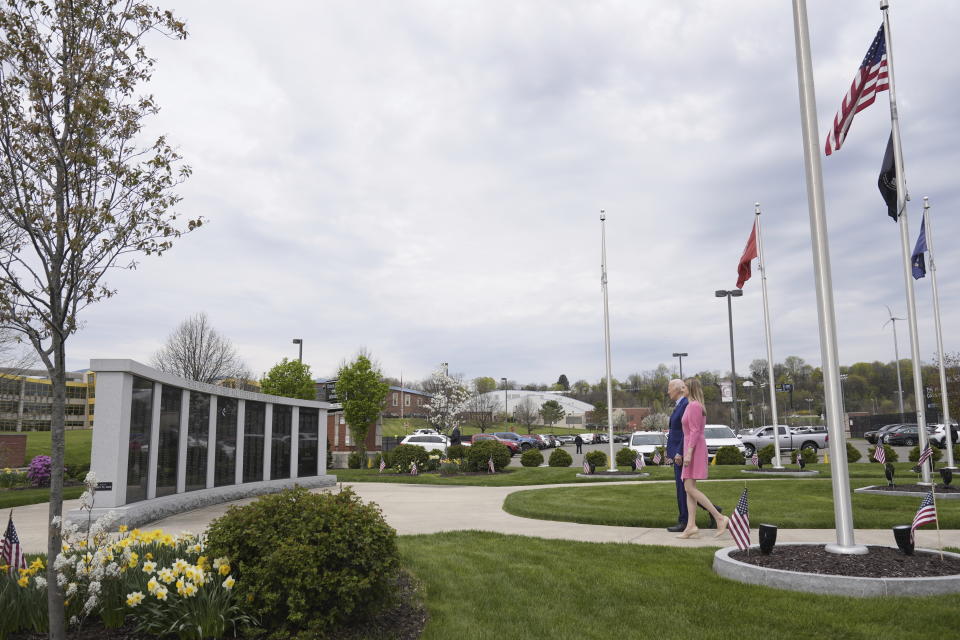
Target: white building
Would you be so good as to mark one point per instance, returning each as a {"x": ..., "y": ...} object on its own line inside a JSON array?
[{"x": 575, "y": 409}]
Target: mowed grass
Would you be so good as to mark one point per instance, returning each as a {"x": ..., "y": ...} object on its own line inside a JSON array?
[
  {"x": 76, "y": 450},
  {"x": 22, "y": 497},
  {"x": 788, "y": 503},
  {"x": 492, "y": 586}
]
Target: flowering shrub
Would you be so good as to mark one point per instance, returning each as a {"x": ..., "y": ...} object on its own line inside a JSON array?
[
  {"x": 406, "y": 454},
  {"x": 39, "y": 471},
  {"x": 10, "y": 478}
]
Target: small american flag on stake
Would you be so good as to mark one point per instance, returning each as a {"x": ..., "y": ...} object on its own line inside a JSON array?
[
  {"x": 755, "y": 459},
  {"x": 383, "y": 464},
  {"x": 925, "y": 455},
  {"x": 740, "y": 522},
  {"x": 657, "y": 458},
  {"x": 413, "y": 469},
  {"x": 586, "y": 466},
  {"x": 491, "y": 468},
  {"x": 926, "y": 514},
  {"x": 11, "y": 553},
  {"x": 639, "y": 463},
  {"x": 871, "y": 78},
  {"x": 880, "y": 454}
]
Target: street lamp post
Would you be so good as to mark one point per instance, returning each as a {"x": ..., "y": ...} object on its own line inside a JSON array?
[
  {"x": 753, "y": 416},
  {"x": 681, "y": 356},
  {"x": 299, "y": 341},
  {"x": 505, "y": 414},
  {"x": 733, "y": 293}
]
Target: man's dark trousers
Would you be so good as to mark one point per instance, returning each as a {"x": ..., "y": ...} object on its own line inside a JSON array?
[{"x": 675, "y": 447}]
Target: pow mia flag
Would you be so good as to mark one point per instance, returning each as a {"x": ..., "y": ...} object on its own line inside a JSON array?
[{"x": 887, "y": 182}]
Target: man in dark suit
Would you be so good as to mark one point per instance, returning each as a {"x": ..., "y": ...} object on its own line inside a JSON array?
[{"x": 675, "y": 389}]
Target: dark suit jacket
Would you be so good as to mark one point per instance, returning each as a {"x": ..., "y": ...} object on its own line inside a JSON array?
[{"x": 675, "y": 435}]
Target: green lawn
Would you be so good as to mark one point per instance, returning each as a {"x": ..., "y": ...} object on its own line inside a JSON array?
[
  {"x": 78, "y": 442},
  {"x": 493, "y": 586},
  {"x": 787, "y": 503},
  {"x": 21, "y": 497}
]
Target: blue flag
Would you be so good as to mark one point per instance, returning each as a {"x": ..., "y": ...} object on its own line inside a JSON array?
[{"x": 917, "y": 259}]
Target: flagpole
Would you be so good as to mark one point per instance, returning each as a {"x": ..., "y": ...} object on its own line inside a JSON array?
[
  {"x": 933, "y": 495},
  {"x": 842, "y": 507},
  {"x": 606, "y": 332},
  {"x": 918, "y": 390},
  {"x": 766, "y": 327},
  {"x": 944, "y": 400}
]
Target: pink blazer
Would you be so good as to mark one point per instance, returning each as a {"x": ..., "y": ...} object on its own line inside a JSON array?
[{"x": 693, "y": 423}]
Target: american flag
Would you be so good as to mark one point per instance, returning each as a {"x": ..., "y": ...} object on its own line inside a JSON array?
[
  {"x": 586, "y": 466},
  {"x": 383, "y": 464},
  {"x": 926, "y": 514},
  {"x": 657, "y": 458},
  {"x": 755, "y": 459},
  {"x": 880, "y": 454},
  {"x": 492, "y": 468},
  {"x": 11, "y": 553},
  {"x": 871, "y": 77},
  {"x": 925, "y": 455},
  {"x": 640, "y": 463},
  {"x": 740, "y": 522},
  {"x": 413, "y": 469}
]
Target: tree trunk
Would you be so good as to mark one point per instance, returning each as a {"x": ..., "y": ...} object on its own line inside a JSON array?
[{"x": 54, "y": 593}]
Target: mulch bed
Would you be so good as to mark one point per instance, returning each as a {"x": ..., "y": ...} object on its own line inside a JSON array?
[
  {"x": 404, "y": 619},
  {"x": 916, "y": 488},
  {"x": 881, "y": 562}
]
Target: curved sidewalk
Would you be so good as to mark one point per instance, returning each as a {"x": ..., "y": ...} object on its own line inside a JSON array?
[{"x": 423, "y": 508}]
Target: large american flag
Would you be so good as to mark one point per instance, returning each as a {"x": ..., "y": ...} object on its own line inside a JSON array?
[
  {"x": 880, "y": 454},
  {"x": 11, "y": 553},
  {"x": 925, "y": 455},
  {"x": 740, "y": 522},
  {"x": 657, "y": 458},
  {"x": 926, "y": 514},
  {"x": 871, "y": 77}
]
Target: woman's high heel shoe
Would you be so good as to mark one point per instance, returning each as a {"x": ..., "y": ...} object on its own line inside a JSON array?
[
  {"x": 722, "y": 527},
  {"x": 692, "y": 533}
]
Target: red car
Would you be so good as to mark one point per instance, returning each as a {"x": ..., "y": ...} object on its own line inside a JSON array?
[{"x": 509, "y": 444}]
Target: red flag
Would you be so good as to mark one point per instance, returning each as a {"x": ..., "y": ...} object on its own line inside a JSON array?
[{"x": 749, "y": 253}]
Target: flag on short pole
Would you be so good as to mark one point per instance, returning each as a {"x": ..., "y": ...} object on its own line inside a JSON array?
[
  {"x": 917, "y": 260},
  {"x": 926, "y": 514},
  {"x": 755, "y": 459},
  {"x": 871, "y": 77},
  {"x": 740, "y": 522},
  {"x": 657, "y": 458},
  {"x": 880, "y": 454},
  {"x": 749, "y": 253},
  {"x": 925, "y": 455},
  {"x": 11, "y": 552},
  {"x": 586, "y": 466},
  {"x": 383, "y": 464},
  {"x": 639, "y": 463},
  {"x": 491, "y": 468},
  {"x": 413, "y": 469}
]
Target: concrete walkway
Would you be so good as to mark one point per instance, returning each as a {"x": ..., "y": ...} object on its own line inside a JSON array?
[{"x": 423, "y": 508}]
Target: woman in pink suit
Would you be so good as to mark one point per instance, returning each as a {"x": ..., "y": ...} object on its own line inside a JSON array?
[{"x": 695, "y": 461}]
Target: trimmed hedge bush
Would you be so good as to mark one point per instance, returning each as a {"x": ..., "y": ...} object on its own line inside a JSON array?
[
  {"x": 891, "y": 454},
  {"x": 406, "y": 454},
  {"x": 531, "y": 458},
  {"x": 456, "y": 452},
  {"x": 730, "y": 455},
  {"x": 355, "y": 460},
  {"x": 765, "y": 454},
  {"x": 449, "y": 468},
  {"x": 560, "y": 458},
  {"x": 914, "y": 455},
  {"x": 853, "y": 454},
  {"x": 809, "y": 455},
  {"x": 306, "y": 562},
  {"x": 598, "y": 459},
  {"x": 625, "y": 457},
  {"x": 480, "y": 453}
]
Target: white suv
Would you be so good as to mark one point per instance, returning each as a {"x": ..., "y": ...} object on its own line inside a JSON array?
[{"x": 428, "y": 442}]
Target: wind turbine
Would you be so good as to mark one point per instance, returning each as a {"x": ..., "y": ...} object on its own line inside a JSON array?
[{"x": 896, "y": 352}]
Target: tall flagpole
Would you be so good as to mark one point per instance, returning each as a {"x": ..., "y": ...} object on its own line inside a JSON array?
[
  {"x": 606, "y": 332},
  {"x": 918, "y": 390},
  {"x": 944, "y": 400},
  {"x": 777, "y": 464},
  {"x": 842, "y": 507}
]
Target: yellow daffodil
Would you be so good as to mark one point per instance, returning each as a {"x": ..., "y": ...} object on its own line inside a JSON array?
[
  {"x": 228, "y": 583},
  {"x": 167, "y": 576},
  {"x": 148, "y": 556},
  {"x": 123, "y": 528},
  {"x": 23, "y": 581},
  {"x": 134, "y": 599},
  {"x": 203, "y": 563},
  {"x": 149, "y": 566},
  {"x": 224, "y": 569},
  {"x": 179, "y": 586},
  {"x": 37, "y": 564},
  {"x": 179, "y": 566},
  {"x": 189, "y": 589},
  {"x": 197, "y": 548},
  {"x": 153, "y": 585},
  {"x": 4, "y": 567},
  {"x": 160, "y": 593}
]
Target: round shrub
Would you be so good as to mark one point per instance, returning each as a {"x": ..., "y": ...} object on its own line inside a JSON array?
[
  {"x": 456, "y": 452},
  {"x": 531, "y": 458},
  {"x": 729, "y": 455},
  {"x": 597, "y": 459},
  {"x": 765, "y": 454},
  {"x": 914, "y": 455},
  {"x": 449, "y": 468},
  {"x": 39, "y": 471},
  {"x": 355, "y": 460},
  {"x": 853, "y": 454},
  {"x": 560, "y": 458},
  {"x": 479, "y": 454},
  {"x": 809, "y": 456},
  {"x": 385, "y": 456},
  {"x": 406, "y": 454},
  {"x": 888, "y": 450},
  {"x": 625, "y": 457},
  {"x": 306, "y": 562}
]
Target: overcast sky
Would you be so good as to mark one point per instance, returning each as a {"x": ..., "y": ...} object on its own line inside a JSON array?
[{"x": 424, "y": 179}]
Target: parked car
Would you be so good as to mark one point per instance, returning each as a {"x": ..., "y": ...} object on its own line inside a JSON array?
[
  {"x": 646, "y": 442},
  {"x": 524, "y": 442},
  {"x": 905, "y": 435},
  {"x": 720, "y": 435},
  {"x": 762, "y": 436},
  {"x": 601, "y": 437},
  {"x": 621, "y": 437},
  {"x": 873, "y": 436},
  {"x": 939, "y": 435},
  {"x": 551, "y": 440},
  {"x": 425, "y": 432},
  {"x": 588, "y": 438},
  {"x": 512, "y": 445},
  {"x": 428, "y": 442},
  {"x": 566, "y": 439},
  {"x": 816, "y": 428},
  {"x": 541, "y": 440}
]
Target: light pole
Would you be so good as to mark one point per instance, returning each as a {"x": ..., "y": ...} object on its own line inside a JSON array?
[
  {"x": 681, "y": 356},
  {"x": 753, "y": 416},
  {"x": 505, "y": 414},
  {"x": 843, "y": 401},
  {"x": 299, "y": 341},
  {"x": 733, "y": 293}
]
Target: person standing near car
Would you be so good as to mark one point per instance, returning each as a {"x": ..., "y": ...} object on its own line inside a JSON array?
[
  {"x": 579, "y": 442},
  {"x": 677, "y": 391}
]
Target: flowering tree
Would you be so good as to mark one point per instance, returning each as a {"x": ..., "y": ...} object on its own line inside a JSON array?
[{"x": 448, "y": 403}]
